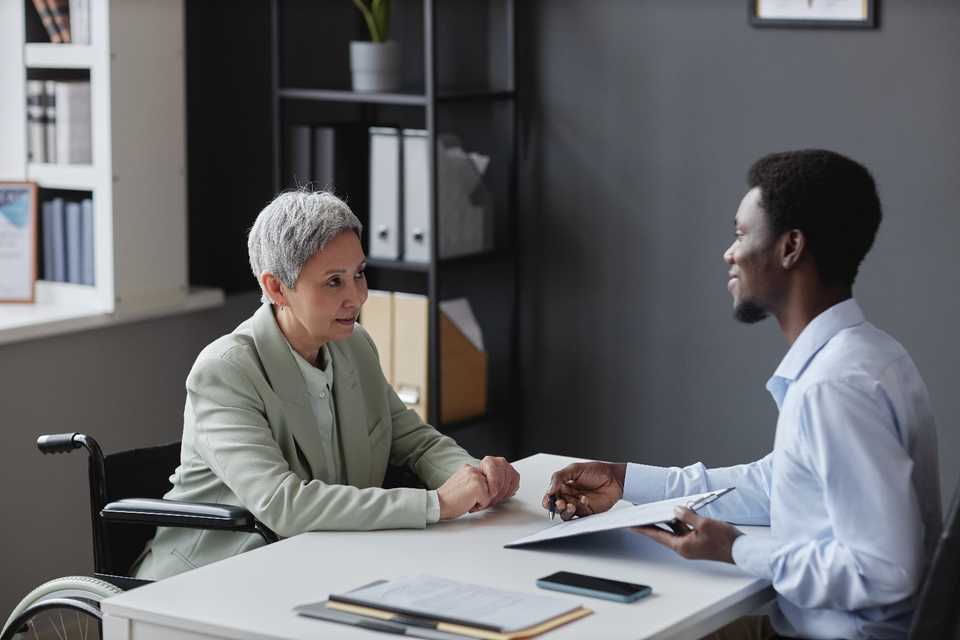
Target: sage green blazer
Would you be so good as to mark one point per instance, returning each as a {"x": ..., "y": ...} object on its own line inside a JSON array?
[{"x": 250, "y": 438}]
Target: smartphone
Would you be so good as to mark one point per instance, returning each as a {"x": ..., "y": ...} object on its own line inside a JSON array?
[{"x": 594, "y": 587}]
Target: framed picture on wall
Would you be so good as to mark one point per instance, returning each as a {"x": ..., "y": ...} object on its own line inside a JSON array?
[
  {"x": 845, "y": 14},
  {"x": 18, "y": 241}
]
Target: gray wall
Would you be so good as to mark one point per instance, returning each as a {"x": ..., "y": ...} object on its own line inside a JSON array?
[
  {"x": 124, "y": 386},
  {"x": 642, "y": 118}
]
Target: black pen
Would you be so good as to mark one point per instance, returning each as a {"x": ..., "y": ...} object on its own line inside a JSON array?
[{"x": 552, "y": 506}]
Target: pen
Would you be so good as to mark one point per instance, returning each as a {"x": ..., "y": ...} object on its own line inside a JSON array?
[{"x": 553, "y": 506}]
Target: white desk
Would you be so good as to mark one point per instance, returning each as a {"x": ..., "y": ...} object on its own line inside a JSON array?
[{"x": 251, "y": 596}]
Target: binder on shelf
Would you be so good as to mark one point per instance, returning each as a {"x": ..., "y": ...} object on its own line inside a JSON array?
[
  {"x": 72, "y": 226},
  {"x": 324, "y": 158},
  {"x": 384, "y": 228},
  {"x": 411, "y": 314},
  {"x": 416, "y": 196},
  {"x": 298, "y": 155},
  {"x": 377, "y": 318},
  {"x": 340, "y": 163},
  {"x": 87, "y": 268}
]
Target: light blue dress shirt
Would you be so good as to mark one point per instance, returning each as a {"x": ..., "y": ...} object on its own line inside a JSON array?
[{"x": 851, "y": 490}]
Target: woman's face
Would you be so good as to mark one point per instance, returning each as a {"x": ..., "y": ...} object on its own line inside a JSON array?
[{"x": 332, "y": 287}]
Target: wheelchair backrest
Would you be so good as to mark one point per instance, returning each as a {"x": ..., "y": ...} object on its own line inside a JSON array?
[{"x": 137, "y": 473}]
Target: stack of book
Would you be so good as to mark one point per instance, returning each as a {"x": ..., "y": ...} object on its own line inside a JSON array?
[
  {"x": 66, "y": 21},
  {"x": 68, "y": 241},
  {"x": 59, "y": 122}
]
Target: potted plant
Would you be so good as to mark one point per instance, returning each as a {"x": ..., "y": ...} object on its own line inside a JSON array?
[{"x": 375, "y": 65}]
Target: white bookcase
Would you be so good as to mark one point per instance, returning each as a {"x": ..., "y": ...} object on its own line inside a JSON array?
[{"x": 138, "y": 175}]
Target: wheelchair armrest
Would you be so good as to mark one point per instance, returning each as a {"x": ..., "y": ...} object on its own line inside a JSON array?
[{"x": 175, "y": 513}]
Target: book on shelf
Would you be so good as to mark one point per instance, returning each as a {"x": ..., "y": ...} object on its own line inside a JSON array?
[
  {"x": 79, "y": 21},
  {"x": 72, "y": 226},
  {"x": 47, "y": 18},
  {"x": 60, "y": 11},
  {"x": 58, "y": 240},
  {"x": 50, "y": 120},
  {"x": 46, "y": 223},
  {"x": 59, "y": 122},
  {"x": 65, "y": 21},
  {"x": 36, "y": 114},
  {"x": 73, "y": 122},
  {"x": 87, "y": 267},
  {"x": 67, "y": 236}
]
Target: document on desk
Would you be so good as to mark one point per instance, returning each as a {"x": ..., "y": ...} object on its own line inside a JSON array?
[
  {"x": 459, "y": 603},
  {"x": 618, "y": 518}
]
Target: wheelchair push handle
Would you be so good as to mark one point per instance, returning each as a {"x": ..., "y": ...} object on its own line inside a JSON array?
[{"x": 58, "y": 442}]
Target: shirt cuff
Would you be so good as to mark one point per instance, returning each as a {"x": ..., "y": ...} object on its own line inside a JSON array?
[
  {"x": 754, "y": 554},
  {"x": 433, "y": 507},
  {"x": 643, "y": 483}
]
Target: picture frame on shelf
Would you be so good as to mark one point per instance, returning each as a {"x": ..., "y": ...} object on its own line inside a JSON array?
[
  {"x": 829, "y": 14},
  {"x": 18, "y": 241}
]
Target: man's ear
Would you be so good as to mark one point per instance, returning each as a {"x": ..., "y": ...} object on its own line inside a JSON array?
[{"x": 793, "y": 245}]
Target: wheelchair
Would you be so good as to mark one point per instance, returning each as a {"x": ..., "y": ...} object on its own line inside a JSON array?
[{"x": 125, "y": 510}]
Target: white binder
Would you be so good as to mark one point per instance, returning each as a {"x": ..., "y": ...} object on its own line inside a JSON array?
[
  {"x": 416, "y": 196},
  {"x": 384, "y": 231}
]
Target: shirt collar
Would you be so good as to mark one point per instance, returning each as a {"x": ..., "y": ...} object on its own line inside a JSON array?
[
  {"x": 313, "y": 375},
  {"x": 814, "y": 336}
]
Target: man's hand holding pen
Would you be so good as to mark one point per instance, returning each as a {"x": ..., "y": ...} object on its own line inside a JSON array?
[{"x": 584, "y": 488}]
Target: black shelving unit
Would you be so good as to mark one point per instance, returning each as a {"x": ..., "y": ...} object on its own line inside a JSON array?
[{"x": 432, "y": 105}]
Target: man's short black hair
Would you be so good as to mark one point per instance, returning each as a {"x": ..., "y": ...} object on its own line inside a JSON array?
[{"x": 830, "y": 198}]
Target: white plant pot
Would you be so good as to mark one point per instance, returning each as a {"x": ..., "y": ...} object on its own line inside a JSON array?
[{"x": 375, "y": 66}]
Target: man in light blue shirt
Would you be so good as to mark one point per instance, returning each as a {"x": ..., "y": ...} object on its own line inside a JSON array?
[{"x": 851, "y": 489}]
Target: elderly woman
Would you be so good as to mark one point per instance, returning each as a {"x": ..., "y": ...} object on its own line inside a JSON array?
[{"x": 290, "y": 415}]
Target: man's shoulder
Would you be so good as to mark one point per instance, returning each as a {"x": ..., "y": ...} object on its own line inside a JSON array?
[{"x": 862, "y": 357}]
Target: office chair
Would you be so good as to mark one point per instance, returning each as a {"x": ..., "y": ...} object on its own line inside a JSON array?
[
  {"x": 938, "y": 608},
  {"x": 122, "y": 524}
]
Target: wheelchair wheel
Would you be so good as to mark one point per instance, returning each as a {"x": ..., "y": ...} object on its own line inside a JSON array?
[{"x": 60, "y": 609}]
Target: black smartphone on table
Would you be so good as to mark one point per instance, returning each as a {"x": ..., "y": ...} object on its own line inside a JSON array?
[{"x": 594, "y": 587}]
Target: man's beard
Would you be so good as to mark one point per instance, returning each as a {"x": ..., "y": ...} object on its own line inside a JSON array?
[{"x": 749, "y": 312}]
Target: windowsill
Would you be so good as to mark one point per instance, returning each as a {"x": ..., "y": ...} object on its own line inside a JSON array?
[{"x": 20, "y": 322}]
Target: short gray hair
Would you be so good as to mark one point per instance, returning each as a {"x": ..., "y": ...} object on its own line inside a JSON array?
[{"x": 292, "y": 229}]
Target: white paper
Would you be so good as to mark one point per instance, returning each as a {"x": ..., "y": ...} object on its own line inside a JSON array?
[
  {"x": 617, "y": 518},
  {"x": 440, "y": 598}
]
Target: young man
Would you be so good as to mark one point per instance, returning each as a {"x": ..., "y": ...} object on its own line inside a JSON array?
[{"x": 851, "y": 489}]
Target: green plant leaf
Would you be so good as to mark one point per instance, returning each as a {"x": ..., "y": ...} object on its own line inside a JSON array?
[
  {"x": 381, "y": 13},
  {"x": 370, "y": 19}
]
